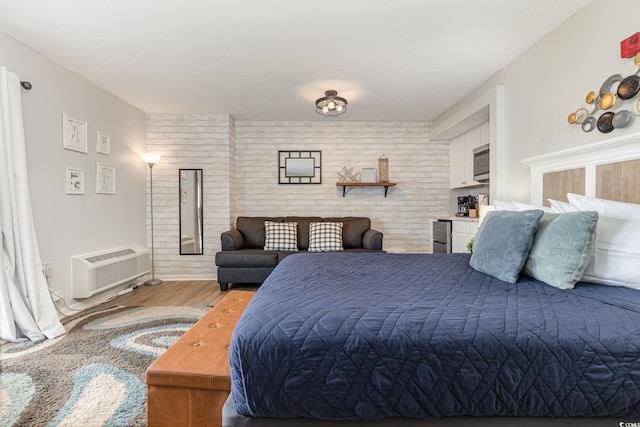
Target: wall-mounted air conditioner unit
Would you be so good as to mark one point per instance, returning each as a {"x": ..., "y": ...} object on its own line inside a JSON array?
[{"x": 96, "y": 272}]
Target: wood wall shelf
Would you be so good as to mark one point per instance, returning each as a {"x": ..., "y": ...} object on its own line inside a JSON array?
[{"x": 386, "y": 185}]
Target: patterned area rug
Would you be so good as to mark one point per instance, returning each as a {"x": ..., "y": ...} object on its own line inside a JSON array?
[{"x": 94, "y": 375}]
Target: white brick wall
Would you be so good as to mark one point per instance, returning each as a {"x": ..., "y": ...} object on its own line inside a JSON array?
[
  {"x": 240, "y": 169},
  {"x": 198, "y": 141},
  {"x": 419, "y": 167}
]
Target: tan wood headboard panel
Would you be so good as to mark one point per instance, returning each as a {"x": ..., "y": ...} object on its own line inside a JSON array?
[
  {"x": 619, "y": 181},
  {"x": 556, "y": 185},
  {"x": 608, "y": 169}
]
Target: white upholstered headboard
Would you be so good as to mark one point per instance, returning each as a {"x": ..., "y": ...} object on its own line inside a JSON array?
[{"x": 608, "y": 170}]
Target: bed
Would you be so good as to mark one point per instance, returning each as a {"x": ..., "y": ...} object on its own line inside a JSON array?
[
  {"x": 427, "y": 339},
  {"x": 427, "y": 336}
]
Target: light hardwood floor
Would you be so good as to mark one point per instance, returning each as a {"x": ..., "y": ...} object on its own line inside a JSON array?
[{"x": 181, "y": 293}]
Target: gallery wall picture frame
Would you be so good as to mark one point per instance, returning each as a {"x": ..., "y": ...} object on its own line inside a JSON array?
[
  {"x": 103, "y": 142},
  {"x": 105, "y": 179},
  {"x": 74, "y": 134},
  {"x": 74, "y": 181}
]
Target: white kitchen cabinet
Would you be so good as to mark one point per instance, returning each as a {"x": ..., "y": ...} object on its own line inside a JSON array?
[
  {"x": 484, "y": 133},
  {"x": 461, "y": 154},
  {"x": 458, "y": 148},
  {"x": 461, "y": 233}
]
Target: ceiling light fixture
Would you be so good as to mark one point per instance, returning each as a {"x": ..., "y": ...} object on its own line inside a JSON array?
[{"x": 331, "y": 104}]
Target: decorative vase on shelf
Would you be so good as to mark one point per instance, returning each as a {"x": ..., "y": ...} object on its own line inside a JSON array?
[{"x": 383, "y": 169}]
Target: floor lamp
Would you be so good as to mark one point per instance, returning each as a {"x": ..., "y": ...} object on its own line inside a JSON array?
[{"x": 151, "y": 159}]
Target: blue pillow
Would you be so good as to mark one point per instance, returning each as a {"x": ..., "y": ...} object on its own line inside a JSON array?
[
  {"x": 503, "y": 243},
  {"x": 562, "y": 248}
]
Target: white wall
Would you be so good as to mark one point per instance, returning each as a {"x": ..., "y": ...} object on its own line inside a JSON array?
[
  {"x": 551, "y": 80},
  {"x": 68, "y": 225}
]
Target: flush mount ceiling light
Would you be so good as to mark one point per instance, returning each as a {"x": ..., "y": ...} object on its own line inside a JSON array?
[{"x": 331, "y": 104}]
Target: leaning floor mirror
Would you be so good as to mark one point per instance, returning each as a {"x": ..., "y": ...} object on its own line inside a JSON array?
[{"x": 190, "y": 211}]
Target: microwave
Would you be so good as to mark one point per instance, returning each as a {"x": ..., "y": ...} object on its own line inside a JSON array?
[{"x": 481, "y": 163}]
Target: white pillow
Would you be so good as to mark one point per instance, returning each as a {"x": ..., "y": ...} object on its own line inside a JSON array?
[
  {"x": 517, "y": 206},
  {"x": 504, "y": 206},
  {"x": 561, "y": 207},
  {"x": 616, "y": 260},
  {"x": 606, "y": 208},
  {"x": 526, "y": 207}
]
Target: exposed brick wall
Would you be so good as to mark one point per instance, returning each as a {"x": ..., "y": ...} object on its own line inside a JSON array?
[
  {"x": 240, "y": 162},
  {"x": 197, "y": 141},
  {"x": 418, "y": 166}
]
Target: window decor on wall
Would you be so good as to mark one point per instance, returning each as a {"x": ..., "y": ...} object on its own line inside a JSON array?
[
  {"x": 74, "y": 179},
  {"x": 74, "y": 134},
  {"x": 299, "y": 167},
  {"x": 105, "y": 179},
  {"x": 616, "y": 103}
]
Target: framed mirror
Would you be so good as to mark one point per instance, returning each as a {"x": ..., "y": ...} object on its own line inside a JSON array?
[
  {"x": 191, "y": 211},
  {"x": 299, "y": 167}
]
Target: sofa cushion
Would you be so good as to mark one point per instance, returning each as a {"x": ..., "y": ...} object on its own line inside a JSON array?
[
  {"x": 325, "y": 236},
  {"x": 303, "y": 228},
  {"x": 281, "y": 236},
  {"x": 247, "y": 258},
  {"x": 353, "y": 229},
  {"x": 252, "y": 229}
]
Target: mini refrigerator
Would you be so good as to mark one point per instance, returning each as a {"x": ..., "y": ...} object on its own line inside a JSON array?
[{"x": 442, "y": 236}]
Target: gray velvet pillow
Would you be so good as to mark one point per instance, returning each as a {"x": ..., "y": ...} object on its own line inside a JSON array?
[
  {"x": 503, "y": 243},
  {"x": 562, "y": 248}
]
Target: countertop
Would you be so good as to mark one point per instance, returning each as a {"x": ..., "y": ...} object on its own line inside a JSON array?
[{"x": 459, "y": 218}]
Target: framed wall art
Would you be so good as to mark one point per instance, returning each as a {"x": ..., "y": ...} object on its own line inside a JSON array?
[
  {"x": 105, "y": 179},
  {"x": 103, "y": 143},
  {"x": 74, "y": 181},
  {"x": 74, "y": 134}
]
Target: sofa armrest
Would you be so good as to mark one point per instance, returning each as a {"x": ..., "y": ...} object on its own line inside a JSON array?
[
  {"x": 231, "y": 240},
  {"x": 372, "y": 240}
]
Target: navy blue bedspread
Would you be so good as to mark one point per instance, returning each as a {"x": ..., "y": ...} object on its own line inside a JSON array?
[{"x": 368, "y": 336}]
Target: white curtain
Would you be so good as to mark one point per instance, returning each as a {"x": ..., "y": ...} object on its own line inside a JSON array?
[{"x": 26, "y": 309}]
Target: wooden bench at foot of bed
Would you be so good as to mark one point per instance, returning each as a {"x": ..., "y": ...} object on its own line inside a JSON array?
[{"x": 189, "y": 383}]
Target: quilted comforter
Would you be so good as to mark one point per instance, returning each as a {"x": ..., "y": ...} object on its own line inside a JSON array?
[{"x": 367, "y": 336}]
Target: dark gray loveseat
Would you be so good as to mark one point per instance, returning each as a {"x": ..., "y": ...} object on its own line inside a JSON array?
[{"x": 244, "y": 260}]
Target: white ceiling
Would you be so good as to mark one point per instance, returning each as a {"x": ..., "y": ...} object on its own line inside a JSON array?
[{"x": 405, "y": 60}]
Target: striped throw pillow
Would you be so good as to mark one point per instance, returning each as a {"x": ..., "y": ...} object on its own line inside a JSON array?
[
  {"x": 281, "y": 236},
  {"x": 325, "y": 236}
]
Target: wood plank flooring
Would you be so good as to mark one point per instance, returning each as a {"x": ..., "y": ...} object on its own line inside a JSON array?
[{"x": 180, "y": 293}]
